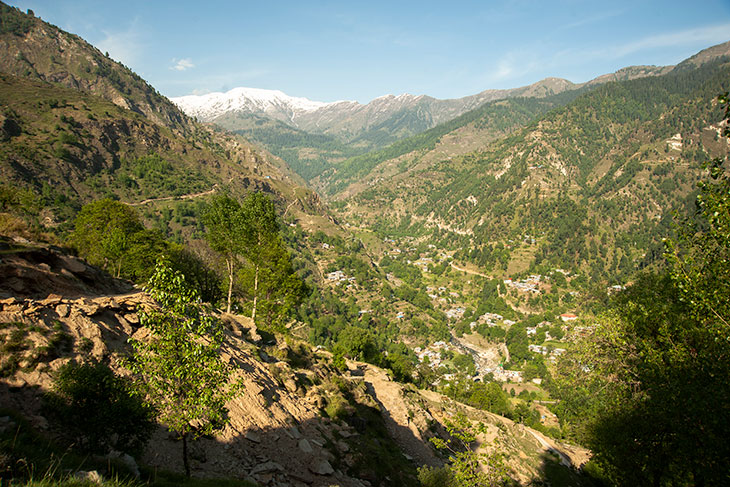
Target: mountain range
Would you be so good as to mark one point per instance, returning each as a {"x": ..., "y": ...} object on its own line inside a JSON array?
[{"x": 433, "y": 237}]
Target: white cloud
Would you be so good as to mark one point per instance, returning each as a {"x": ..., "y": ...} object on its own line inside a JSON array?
[
  {"x": 123, "y": 46},
  {"x": 710, "y": 35},
  {"x": 182, "y": 64}
]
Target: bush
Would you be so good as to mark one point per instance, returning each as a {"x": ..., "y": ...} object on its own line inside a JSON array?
[{"x": 97, "y": 408}]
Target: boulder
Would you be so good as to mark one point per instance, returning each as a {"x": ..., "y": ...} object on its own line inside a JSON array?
[{"x": 321, "y": 467}]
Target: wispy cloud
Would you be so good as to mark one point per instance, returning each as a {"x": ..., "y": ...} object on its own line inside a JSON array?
[
  {"x": 124, "y": 45},
  {"x": 182, "y": 64},
  {"x": 512, "y": 65},
  {"x": 710, "y": 34},
  {"x": 599, "y": 17}
]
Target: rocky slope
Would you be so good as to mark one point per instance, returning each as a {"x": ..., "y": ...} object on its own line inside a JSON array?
[
  {"x": 35, "y": 49},
  {"x": 56, "y": 308},
  {"x": 77, "y": 126}
]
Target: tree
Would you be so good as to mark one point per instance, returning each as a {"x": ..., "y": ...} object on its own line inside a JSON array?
[
  {"x": 648, "y": 390},
  {"x": 225, "y": 234},
  {"x": 180, "y": 369},
  {"x": 102, "y": 231},
  {"x": 467, "y": 467},
  {"x": 99, "y": 409},
  {"x": 261, "y": 243}
]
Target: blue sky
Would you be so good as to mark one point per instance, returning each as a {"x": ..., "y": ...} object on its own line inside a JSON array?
[{"x": 359, "y": 50}]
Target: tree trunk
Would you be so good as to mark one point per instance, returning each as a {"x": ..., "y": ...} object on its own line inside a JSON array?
[
  {"x": 255, "y": 293},
  {"x": 229, "y": 262},
  {"x": 185, "y": 455}
]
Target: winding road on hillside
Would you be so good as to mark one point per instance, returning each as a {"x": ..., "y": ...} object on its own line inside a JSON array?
[
  {"x": 181, "y": 197},
  {"x": 468, "y": 271}
]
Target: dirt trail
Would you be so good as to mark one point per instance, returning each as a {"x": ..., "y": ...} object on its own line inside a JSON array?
[
  {"x": 468, "y": 271},
  {"x": 181, "y": 197},
  {"x": 404, "y": 432}
]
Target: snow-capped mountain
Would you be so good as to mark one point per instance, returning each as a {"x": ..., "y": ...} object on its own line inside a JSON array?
[
  {"x": 403, "y": 114},
  {"x": 273, "y": 103}
]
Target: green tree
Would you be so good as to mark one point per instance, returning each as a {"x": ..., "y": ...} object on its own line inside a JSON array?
[
  {"x": 261, "y": 242},
  {"x": 225, "y": 234},
  {"x": 102, "y": 231},
  {"x": 99, "y": 409},
  {"x": 648, "y": 390},
  {"x": 467, "y": 468},
  {"x": 273, "y": 287},
  {"x": 180, "y": 369}
]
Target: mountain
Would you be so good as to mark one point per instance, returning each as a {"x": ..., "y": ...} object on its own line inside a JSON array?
[
  {"x": 590, "y": 184},
  {"x": 313, "y": 137},
  {"x": 76, "y": 125},
  {"x": 35, "y": 49},
  {"x": 348, "y": 119}
]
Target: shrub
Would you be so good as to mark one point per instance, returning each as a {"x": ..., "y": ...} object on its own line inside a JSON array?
[{"x": 97, "y": 408}]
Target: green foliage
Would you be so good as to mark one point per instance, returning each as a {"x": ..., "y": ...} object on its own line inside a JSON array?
[
  {"x": 98, "y": 409},
  {"x": 180, "y": 369},
  {"x": 648, "y": 389},
  {"x": 103, "y": 230},
  {"x": 467, "y": 468},
  {"x": 13, "y": 21},
  {"x": 225, "y": 234}
]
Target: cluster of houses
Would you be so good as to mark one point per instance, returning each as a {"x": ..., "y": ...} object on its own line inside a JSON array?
[
  {"x": 339, "y": 276},
  {"x": 551, "y": 353},
  {"x": 529, "y": 285},
  {"x": 491, "y": 319},
  {"x": 504, "y": 375},
  {"x": 455, "y": 313},
  {"x": 433, "y": 352}
]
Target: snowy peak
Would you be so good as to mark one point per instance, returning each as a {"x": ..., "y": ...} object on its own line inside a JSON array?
[{"x": 249, "y": 100}]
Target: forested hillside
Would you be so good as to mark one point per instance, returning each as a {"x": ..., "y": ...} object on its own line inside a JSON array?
[{"x": 592, "y": 183}]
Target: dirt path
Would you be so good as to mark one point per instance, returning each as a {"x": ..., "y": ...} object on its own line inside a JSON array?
[
  {"x": 181, "y": 197},
  {"x": 468, "y": 271},
  {"x": 549, "y": 446},
  {"x": 395, "y": 413}
]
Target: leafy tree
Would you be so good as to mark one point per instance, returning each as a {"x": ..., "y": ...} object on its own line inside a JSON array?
[
  {"x": 261, "y": 242},
  {"x": 99, "y": 409},
  {"x": 180, "y": 369},
  {"x": 467, "y": 467},
  {"x": 225, "y": 234},
  {"x": 648, "y": 389},
  {"x": 274, "y": 287},
  {"x": 102, "y": 231}
]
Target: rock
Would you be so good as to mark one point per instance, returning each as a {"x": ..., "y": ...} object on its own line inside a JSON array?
[
  {"x": 253, "y": 436},
  {"x": 267, "y": 467},
  {"x": 305, "y": 446},
  {"x": 89, "y": 308},
  {"x": 52, "y": 300},
  {"x": 72, "y": 264},
  {"x": 263, "y": 478},
  {"x": 290, "y": 385},
  {"x": 294, "y": 432},
  {"x": 345, "y": 434},
  {"x": 322, "y": 467},
  {"x": 62, "y": 310},
  {"x": 6, "y": 424},
  {"x": 90, "y": 476},
  {"x": 127, "y": 460},
  {"x": 44, "y": 267},
  {"x": 343, "y": 447},
  {"x": 39, "y": 422}
]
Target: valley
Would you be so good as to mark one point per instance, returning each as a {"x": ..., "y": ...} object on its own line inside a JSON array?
[{"x": 515, "y": 284}]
